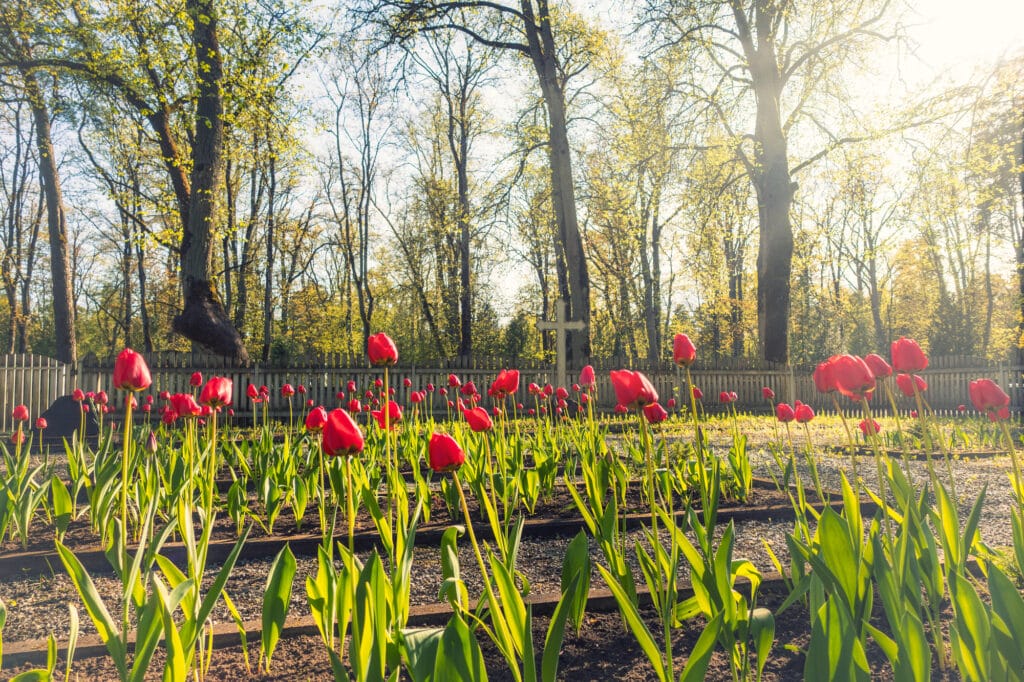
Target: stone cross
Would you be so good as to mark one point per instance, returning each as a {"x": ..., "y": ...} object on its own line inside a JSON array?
[{"x": 561, "y": 325}]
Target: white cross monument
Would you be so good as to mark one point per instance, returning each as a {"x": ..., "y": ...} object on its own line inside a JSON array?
[{"x": 561, "y": 325}]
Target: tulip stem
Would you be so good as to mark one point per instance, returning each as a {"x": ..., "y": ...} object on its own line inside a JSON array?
[
  {"x": 873, "y": 438},
  {"x": 492, "y": 603},
  {"x": 899, "y": 427},
  {"x": 849, "y": 436},
  {"x": 350, "y": 506},
  {"x": 1018, "y": 483},
  {"x": 126, "y": 438},
  {"x": 698, "y": 442}
]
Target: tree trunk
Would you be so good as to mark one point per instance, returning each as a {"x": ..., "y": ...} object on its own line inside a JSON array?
[
  {"x": 774, "y": 188},
  {"x": 268, "y": 273},
  {"x": 203, "y": 318},
  {"x": 1020, "y": 253},
  {"x": 63, "y": 314},
  {"x": 563, "y": 194},
  {"x": 465, "y": 283},
  {"x": 147, "y": 332}
]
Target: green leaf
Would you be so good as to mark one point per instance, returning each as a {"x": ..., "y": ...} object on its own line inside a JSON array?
[
  {"x": 61, "y": 504},
  {"x": 697, "y": 664},
  {"x": 95, "y": 607},
  {"x": 636, "y": 624},
  {"x": 73, "y": 630},
  {"x": 762, "y": 630},
  {"x": 419, "y": 651},
  {"x": 556, "y": 628},
  {"x": 215, "y": 590},
  {"x": 459, "y": 656},
  {"x": 276, "y": 600},
  {"x": 1009, "y": 606},
  {"x": 577, "y": 563}
]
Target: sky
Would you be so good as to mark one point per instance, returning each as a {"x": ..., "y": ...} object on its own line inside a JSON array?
[{"x": 958, "y": 33}]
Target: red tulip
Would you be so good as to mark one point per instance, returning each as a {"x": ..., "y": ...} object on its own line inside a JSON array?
[
  {"x": 168, "y": 417},
  {"x": 341, "y": 435},
  {"x": 354, "y": 406},
  {"x": 587, "y": 378},
  {"x": 989, "y": 398},
  {"x": 18, "y": 437},
  {"x": 697, "y": 393},
  {"x": 478, "y": 419},
  {"x": 824, "y": 376},
  {"x": 252, "y": 392},
  {"x": 548, "y": 390},
  {"x": 633, "y": 389},
  {"x": 20, "y": 413},
  {"x": 444, "y": 453},
  {"x": 381, "y": 350},
  {"x": 655, "y": 413},
  {"x": 803, "y": 413},
  {"x": 430, "y": 388},
  {"x": 394, "y": 415},
  {"x": 101, "y": 398},
  {"x": 768, "y": 393},
  {"x": 300, "y": 389},
  {"x": 443, "y": 391},
  {"x": 561, "y": 393},
  {"x": 217, "y": 392},
  {"x": 453, "y": 381},
  {"x": 196, "y": 379},
  {"x": 905, "y": 382},
  {"x": 351, "y": 387},
  {"x": 907, "y": 356},
  {"x": 147, "y": 408},
  {"x": 184, "y": 405},
  {"x": 287, "y": 391},
  {"x": 683, "y": 350},
  {"x": 131, "y": 373},
  {"x": 130, "y": 400},
  {"x": 784, "y": 412},
  {"x": 41, "y": 423},
  {"x": 961, "y": 408},
  {"x": 77, "y": 395},
  {"x": 879, "y": 367},
  {"x": 725, "y": 397},
  {"x": 853, "y": 377},
  {"x": 316, "y": 419},
  {"x": 872, "y": 427},
  {"x": 468, "y": 388},
  {"x": 506, "y": 384},
  {"x": 407, "y": 382},
  {"x": 620, "y": 409},
  {"x": 913, "y": 414},
  {"x": 671, "y": 403},
  {"x": 416, "y": 397}
]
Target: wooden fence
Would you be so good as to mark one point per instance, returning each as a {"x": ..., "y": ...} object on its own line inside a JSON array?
[{"x": 37, "y": 381}]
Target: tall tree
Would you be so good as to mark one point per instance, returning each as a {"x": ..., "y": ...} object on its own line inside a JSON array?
[
  {"x": 527, "y": 28},
  {"x": 458, "y": 68},
  {"x": 781, "y": 53},
  {"x": 18, "y": 47}
]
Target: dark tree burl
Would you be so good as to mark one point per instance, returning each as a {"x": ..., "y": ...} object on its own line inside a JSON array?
[{"x": 204, "y": 321}]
